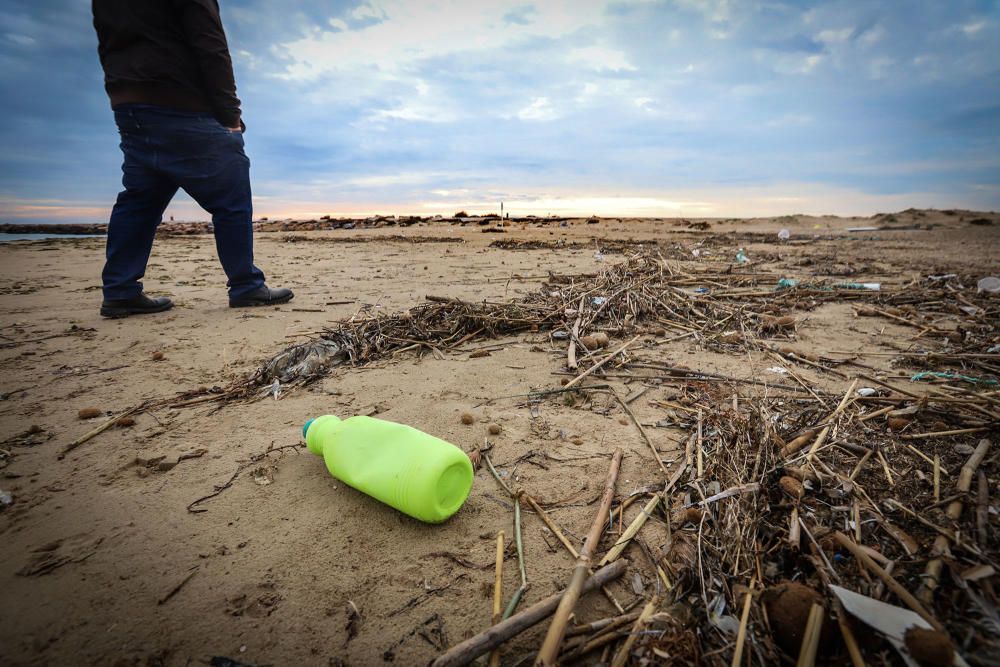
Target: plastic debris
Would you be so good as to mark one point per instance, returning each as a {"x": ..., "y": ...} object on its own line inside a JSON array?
[
  {"x": 6, "y": 499},
  {"x": 784, "y": 234},
  {"x": 989, "y": 284},
  {"x": 598, "y": 300},
  {"x": 741, "y": 257},
  {"x": 874, "y": 287},
  {"x": 786, "y": 283},
  {"x": 599, "y": 256},
  {"x": 952, "y": 376},
  {"x": 866, "y": 391},
  {"x": 777, "y": 369},
  {"x": 303, "y": 362},
  {"x": 891, "y": 621}
]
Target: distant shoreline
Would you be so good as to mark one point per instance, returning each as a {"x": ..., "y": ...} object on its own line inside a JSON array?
[{"x": 490, "y": 222}]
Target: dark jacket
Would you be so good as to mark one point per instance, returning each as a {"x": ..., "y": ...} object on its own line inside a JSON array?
[{"x": 169, "y": 53}]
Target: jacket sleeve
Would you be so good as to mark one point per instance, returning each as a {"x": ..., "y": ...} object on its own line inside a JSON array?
[{"x": 202, "y": 26}]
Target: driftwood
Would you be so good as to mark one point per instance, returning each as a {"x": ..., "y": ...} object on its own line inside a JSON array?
[
  {"x": 470, "y": 649},
  {"x": 553, "y": 638}
]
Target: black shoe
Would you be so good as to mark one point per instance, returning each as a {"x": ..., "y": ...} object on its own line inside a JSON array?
[
  {"x": 140, "y": 305},
  {"x": 262, "y": 296}
]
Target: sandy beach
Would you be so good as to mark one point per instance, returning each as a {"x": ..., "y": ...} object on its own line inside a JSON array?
[{"x": 102, "y": 561}]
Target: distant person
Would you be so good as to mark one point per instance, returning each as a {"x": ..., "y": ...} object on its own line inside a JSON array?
[{"x": 169, "y": 75}]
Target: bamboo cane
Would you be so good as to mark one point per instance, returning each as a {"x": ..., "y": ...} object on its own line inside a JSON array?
[
  {"x": 600, "y": 363},
  {"x": 472, "y": 648},
  {"x": 622, "y": 655},
  {"x": 933, "y": 570},
  {"x": 553, "y": 638},
  {"x": 889, "y": 580},
  {"x": 497, "y": 597}
]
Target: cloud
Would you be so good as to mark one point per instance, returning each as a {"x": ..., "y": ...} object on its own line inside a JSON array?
[
  {"x": 539, "y": 109},
  {"x": 397, "y": 104}
]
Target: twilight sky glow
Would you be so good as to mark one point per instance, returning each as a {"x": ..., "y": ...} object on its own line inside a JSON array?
[{"x": 637, "y": 107}]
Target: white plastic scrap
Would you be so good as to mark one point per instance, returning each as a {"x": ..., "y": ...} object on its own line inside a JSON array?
[
  {"x": 784, "y": 234},
  {"x": 867, "y": 391},
  {"x": 891, "y": 621},
  {"x": 989, "y": 284}
]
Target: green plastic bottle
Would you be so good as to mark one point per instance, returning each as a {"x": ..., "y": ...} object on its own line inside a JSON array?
[{"x": 416, "y": 473}]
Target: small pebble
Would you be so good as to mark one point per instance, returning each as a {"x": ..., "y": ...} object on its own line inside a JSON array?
[
  {"x": 158, "y": 356},
  {"x": 167, "y": 464}
]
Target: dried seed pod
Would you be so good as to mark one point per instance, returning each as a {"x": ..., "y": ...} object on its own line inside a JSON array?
[
  {"x": 494, "y": 429},
  {"x": 681, "y": 516},
  {"x": 478, "y": 354},
  {"x": 897, "y": 423},
  {"x": 602, "y": 338},
  {"x": 929, "y": 647},
  {"x": 589, "y": 342},
  {"x": 788, "y": 607},
  {"x": 158, "y": 356},
  {"x": 125, "y": 422},
  {"x": 798, "y": 443},
  {"x": 792, "y": 487},
  {"x": 867, "y": 312},
  {"x": 89, "y": 413},
  {"x": 467, "y": 419},
  {"x": 802, "y": 474}
]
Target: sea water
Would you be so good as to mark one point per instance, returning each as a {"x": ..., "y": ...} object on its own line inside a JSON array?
[{"x": 6, "y": 238}]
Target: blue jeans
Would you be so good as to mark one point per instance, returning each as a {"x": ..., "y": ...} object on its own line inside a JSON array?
[{"x": 165, "y": 150}]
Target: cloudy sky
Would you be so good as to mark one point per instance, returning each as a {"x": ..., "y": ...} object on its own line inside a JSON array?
[{"x": 643, "y": 107}]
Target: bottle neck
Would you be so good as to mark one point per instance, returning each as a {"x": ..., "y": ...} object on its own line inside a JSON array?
[{"x": 314, "y": 431}]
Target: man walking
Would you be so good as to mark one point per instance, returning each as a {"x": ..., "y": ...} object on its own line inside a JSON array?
[{"x": 169, "y": 75}]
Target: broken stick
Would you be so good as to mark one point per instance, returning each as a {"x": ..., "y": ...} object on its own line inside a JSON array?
[
  {"x": 600, "y": 363},
  {"x": 553, "y": 638},
  {"x": 472, "y": 648},
  {"x": 933, "y": 570}
]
